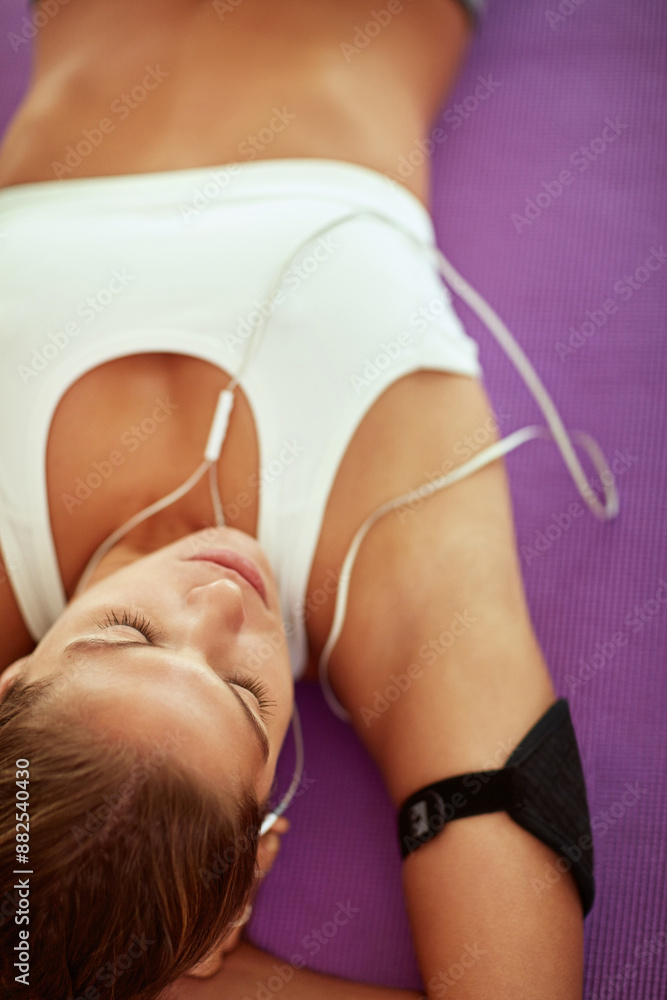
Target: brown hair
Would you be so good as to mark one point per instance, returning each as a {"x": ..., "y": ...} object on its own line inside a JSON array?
[{"x": 138, "y": 867}]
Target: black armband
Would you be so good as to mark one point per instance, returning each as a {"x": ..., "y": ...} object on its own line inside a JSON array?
[{"x": 541, "y": 786}]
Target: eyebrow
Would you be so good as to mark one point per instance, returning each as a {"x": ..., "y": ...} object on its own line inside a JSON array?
[{"x": 89, "y": 645}]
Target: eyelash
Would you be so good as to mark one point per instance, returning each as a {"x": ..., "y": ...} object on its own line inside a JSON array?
[
  {"x": 137, "y": 621},
  {"x": 144, "y": 625},
  {"x": 257, "y": 688}
]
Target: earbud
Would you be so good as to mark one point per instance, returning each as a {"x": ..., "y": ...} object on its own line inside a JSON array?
[{"x": 268, "y": 823}]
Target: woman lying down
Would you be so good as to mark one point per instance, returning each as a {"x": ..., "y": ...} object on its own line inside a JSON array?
[{"x": 226, "y": 351}]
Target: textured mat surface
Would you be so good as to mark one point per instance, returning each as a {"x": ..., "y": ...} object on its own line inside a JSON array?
[{"x": 549, "y": 197}]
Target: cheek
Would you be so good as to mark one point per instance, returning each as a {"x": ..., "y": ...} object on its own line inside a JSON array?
[
  {"x": 270, "y": 654},
  {"x": 277, "y": 672}
]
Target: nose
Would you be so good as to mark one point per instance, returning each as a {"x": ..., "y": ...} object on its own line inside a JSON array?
[{"x": 217, "y": 608}]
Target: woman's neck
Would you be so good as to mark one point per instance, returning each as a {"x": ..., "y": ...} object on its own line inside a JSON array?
[{"x": 145, "y": 539}]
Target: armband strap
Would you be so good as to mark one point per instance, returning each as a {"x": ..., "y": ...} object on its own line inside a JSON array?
[{"x": 541, "y": 787}]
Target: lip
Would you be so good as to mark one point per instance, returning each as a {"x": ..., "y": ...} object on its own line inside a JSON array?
[{"x": 229, "y": 559}]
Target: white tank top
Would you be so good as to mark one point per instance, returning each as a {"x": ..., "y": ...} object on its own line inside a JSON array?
[{"x": 96, "y": 269}]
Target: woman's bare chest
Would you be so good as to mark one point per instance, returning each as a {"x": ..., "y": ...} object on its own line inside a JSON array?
[
  {"x": 127, "y": 434},
  {"x": 130, "y": 432}
]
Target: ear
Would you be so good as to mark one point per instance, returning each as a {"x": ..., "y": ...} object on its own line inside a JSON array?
[
  {"x": 9, "y": 675},
  {"x": 269, "y": 845}
]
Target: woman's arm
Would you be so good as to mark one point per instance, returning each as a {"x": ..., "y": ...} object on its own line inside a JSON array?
[
  {"x": 252, "y": 974},
  {"x": 437, "y": 590}
]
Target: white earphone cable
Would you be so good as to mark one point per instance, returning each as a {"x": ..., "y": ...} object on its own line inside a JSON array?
[{"x": 515, "y": 353}]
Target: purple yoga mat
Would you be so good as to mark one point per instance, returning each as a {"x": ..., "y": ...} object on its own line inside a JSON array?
[{"x": 549, "y": 197}]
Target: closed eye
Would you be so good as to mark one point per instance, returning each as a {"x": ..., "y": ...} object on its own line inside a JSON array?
[
  {"x": 133, "y": 620},
  {"x": 143, "y": 625}
]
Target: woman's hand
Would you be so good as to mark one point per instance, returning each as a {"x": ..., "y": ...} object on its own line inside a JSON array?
[{"x": 267, "y": 852}]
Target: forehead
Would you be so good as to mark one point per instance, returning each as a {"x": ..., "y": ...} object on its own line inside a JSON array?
[{"x": 191, "y": 715}]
